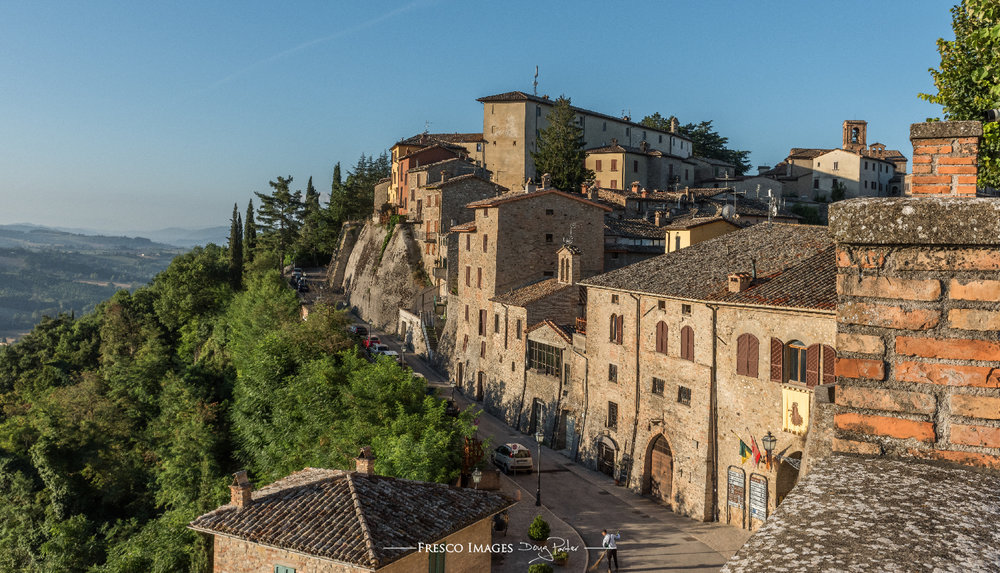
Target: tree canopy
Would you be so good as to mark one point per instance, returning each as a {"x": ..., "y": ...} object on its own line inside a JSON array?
[
  {"x": 967, "y": 78},
  {"x": 706, "y": 142},
  {"x": 561, "y": 149}
]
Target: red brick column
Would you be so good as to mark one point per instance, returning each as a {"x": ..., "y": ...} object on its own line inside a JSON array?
[
  {"x": 944, "y": 157},
  {"x": 918, "y": 285}
]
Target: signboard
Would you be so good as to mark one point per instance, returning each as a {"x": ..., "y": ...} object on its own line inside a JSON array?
[
  {"x": 735, "y": 493},
  {"x": 795, "y": 410},
  {"x": 758, "y": 497}
]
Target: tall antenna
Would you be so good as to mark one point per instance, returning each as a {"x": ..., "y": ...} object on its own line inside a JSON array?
[
  {"x": 427, "y": 126},
  {"x": 534, "y": 85},
  {"x": 570, "y": 240}
]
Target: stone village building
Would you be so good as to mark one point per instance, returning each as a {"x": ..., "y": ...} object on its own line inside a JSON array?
[{"x": 333, "y": 521}]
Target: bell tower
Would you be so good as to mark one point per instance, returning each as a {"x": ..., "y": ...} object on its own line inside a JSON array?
[{"x": 854, "y": 135}]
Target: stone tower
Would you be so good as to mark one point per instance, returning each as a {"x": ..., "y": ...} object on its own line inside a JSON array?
[
  {"x": 569, "y": 264},
  {"x": 854, "y": 135}
]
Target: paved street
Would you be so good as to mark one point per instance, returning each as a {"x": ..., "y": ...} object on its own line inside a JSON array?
[{"x": 652, "y": 537}]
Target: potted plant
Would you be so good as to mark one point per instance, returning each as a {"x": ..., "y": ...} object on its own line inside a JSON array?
[
  {"x": 560, "y": 557},
  {"x": 539, "y": 529},
  {"x": 540, "y": 568}
]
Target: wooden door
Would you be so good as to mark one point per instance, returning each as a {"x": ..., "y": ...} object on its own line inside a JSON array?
[
  {"x": 606, "y": 459},
  {"x": 661, "y": 470}
]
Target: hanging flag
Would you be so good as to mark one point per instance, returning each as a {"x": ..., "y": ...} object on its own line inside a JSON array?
[
  {"x": 745, "y": 451},
  {"x": 756, "y": 451}
]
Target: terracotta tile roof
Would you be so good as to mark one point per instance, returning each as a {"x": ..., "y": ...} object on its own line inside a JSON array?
[
  {"x": 522, "y": 96},
  {"x": 427, "y": 166},
  {"x": 563, "y": 330},
  {"x": 466, "y": 177},
  {"x": 350, "y": 517},
  {"x": 806, "y": 153},
  {"x": 530, "y": 293},
  {"x": 432, "y": 138},
  {"x": 633, "y": 228},
  {"x": 712, "y": 161},
  {"x": 456, "y": 149},
  {"x": 684, "y": 223},
  {"x": 795, "y": 268},
  {"x": 469, "y": 227},
  {"x": 519, "y": 195}
]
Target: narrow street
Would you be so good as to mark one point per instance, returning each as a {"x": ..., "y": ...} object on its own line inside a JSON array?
[{"x": 652, "y": 537}]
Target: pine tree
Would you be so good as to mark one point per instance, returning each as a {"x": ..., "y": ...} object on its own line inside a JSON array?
[
  {"x": 236, "y": 249},
  {"x": 280, "y": 216},
  {"x": 560, "y": 149},
  {"x": 249, "y": 234}
]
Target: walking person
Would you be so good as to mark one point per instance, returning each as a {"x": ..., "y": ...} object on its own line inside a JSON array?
[{"x": 611, "y": 547}]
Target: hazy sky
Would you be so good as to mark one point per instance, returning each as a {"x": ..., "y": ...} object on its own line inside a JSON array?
[{"x": 140, "y": 115}]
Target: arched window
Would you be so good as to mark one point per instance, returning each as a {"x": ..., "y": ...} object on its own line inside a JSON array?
[
  {"x": 661, "y": 337},
  {"x": 795, "y": 354},
  {"x": 687, "y": 343},
  {"x": 747, "y": 355}
]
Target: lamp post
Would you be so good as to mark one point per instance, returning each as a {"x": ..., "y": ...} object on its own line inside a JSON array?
[
  {"x": 769, "y": 441},
  {"x": 539, "y": 436},
  {"x": 477, "y": 475},
  {"x": 454, "y": 384}
]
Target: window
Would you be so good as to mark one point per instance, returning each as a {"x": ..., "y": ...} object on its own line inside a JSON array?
[
  {"x": 486, "y": 240},
  {"x": 482, "y": 322},
  {"x": 482, "y": 349},
  {"x": 548, "y": 237},
  {"x": 479, "y": 147},
  {"x": 836, "y": 165},
  {"x": 468, "y": 242},
  {"x": 550, "y": 212},
  {"x": 614, "y": 165},
  {"x": 747, "y": 355},
  {"x": 465, "y": 343},
  {"x": 635, "y": 165},
  {"x": 612, "y": 421},
  {"x": 479, "y": 277},
  {"x": 538, "y": 111},
  {"x": 815, "y": 183},
  {"x": 628, "y": 131},
  {"x": 496, "y": 324},
  {"x": 687, "y": 343},
  {"x": 796, "y": 360},
  {"x": 605, "y": 126},
  {"x": 677, "y": 247},
  {"x": 866, "y": 184},
  {"x": 614, "y": 299},
  {"x": 468, "y": 276},
  {"x": 435, "y": 562},
  {"x": 614, "y": 184},
  {"x": 613, "y": 373},
  {"x": 685, "y": 309},
  {"x": 566, "y": 373},
  {"x": 684, "y": 395},
  {"x": 283, "y": 569},
  {"x": 661, "y": 139},
  {"x": 597, "y": 166},
  {"x": 486, "y": 212},
  {"x": 544, "y": 358},
  {"x": 466, "y": 313},
  {"x": 866, "y": 165},
  {"x": 661, "y": 337},
  {"x": 658, "y": 386},
  {"x": 519, "y": 329},
  {"x": 617, "y": 326},
  {"x": 661, "y": 304}
]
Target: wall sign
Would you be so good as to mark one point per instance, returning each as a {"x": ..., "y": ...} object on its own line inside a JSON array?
[
  {"x": 795, "y": 410},
  {"x": 758, "y": 497},
  {"x": 735, "y": 493}
]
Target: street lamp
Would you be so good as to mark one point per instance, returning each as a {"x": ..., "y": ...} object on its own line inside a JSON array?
[
  {"x": 539, "y": 436},
  {"x": 454, "y": 384},
  {"x": 477, "y": 475},
  {"x": 769, "y": 442}
]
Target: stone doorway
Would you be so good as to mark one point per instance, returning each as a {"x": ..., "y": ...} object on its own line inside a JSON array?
[
  {"x": 562, "y": 428},
  {"x": 606, "y": 458},
  {"x": 659, "y": 470},
  {"x": 479, "y": 386},
  {"x": 787, "y": 477}
]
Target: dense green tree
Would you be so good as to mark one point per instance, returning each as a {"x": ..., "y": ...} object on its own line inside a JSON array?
[
  {"x": 279, "y": 217},
  {"x": 236, "y": 249},
  {"x": 249, "y": 234},
  {"x": 560, "y": 149},
  {"x": 706, "y": 142},
  {"x": 967, "y": 78}
]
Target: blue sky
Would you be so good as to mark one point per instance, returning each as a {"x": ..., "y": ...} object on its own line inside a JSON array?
[{"x": 130, "y": 115}]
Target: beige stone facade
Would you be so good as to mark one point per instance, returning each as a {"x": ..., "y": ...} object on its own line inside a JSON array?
[{"x": 618, "y": 167}]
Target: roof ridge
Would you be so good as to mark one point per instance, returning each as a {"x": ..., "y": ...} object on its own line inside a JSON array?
[{"x": 365, "y": 532}]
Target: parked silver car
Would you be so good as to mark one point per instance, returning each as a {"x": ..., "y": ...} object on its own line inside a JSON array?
[{"x": 513, "y": 457}]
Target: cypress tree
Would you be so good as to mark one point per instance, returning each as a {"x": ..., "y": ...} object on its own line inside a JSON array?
[
  {"x": 236, "y": 249},
  {"x": 249, "y": 234}
]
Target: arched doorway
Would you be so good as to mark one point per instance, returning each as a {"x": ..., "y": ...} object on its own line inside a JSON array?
[
  {"x": 786, "y": 479},
  {"x": 606, "y": 450},
  {"x": 659, "y": 470}
]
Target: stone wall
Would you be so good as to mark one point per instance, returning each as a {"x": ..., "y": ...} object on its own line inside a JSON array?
[
  {"x": 918, "y": 317},
  {"x": 348, "y": 238}
]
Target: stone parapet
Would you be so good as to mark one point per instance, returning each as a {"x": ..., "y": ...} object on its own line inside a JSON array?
[{"x": 944, "y": 157}]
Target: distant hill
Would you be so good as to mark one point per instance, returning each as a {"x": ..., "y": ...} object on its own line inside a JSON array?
[
  {"x": 47, "y": 271},
  {"x": 61, "y": 237},
  {"x": 189, "y": 237}
]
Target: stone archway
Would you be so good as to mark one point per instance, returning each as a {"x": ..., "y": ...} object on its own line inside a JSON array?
[
  {"x": 786, "y": 479},
  {"x": 607, "y": 451},
  {"x": 658, "y": 470}
]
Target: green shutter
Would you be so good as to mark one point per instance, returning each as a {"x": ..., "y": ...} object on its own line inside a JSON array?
[
  {"x": 283, "y": 569},
  {"x": 435, "y": 562}
]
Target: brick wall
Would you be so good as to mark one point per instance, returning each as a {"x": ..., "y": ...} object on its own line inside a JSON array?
[{"x": 918, "y": 289}]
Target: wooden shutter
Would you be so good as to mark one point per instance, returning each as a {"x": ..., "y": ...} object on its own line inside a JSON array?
[
  {"x": 829, "y": 365},
  {"x": 687, "y": 343},
  {"x": 777, "y": 359},
  {"x": 661, "y": 337},
  {"x": 753, "y": 355},
  {"x": 741, "y": 355},
  {"x": 812, "y": 365},
  {"x": 614, "y": 324},
  {"x": 620, "y": 327},
  {"x": 690, "y": 344}
]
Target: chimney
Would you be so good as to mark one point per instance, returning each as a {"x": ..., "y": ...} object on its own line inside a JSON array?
[
  {"x": 365, "y": 462},
  {"x": 529, "y": 186},
  {"x": 917, "y": 365},
  {"x": 945, "y": 157},
  {"x": 583, "y": 188},
  {"x": 592, "y": 194},
  {"x": 738, "y": 282},
  {"x": 546, "y": 181},
  {"x": 239, "y": 491},
  {"x": 674, "y": 124},
  {"x": 444, "y": 175},
  {"x": 635, "y": 186},
  {"x": 661, "y": 219},
  {"x": 643, "y": 146}
]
